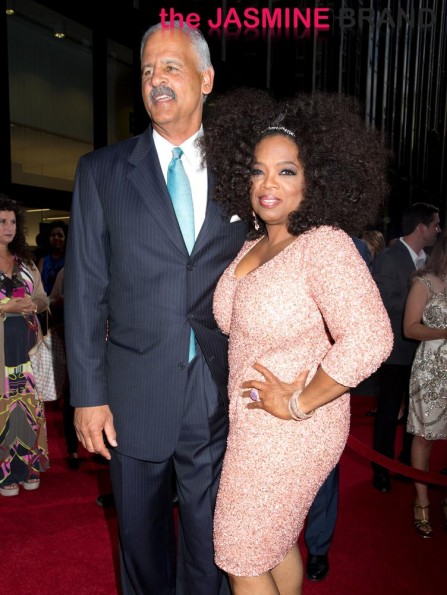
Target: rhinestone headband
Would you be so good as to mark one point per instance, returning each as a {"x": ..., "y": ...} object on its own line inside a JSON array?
[{"x": 279, "y": 129}]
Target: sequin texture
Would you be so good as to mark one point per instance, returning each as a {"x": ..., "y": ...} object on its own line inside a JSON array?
[
  {"x": 427, "y": 413},
  {"x": 314, "y": 303}
]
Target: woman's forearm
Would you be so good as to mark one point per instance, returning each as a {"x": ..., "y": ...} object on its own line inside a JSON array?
[
  {"x": 420, "y": 332},
  {"x": 321, "y": 389}
]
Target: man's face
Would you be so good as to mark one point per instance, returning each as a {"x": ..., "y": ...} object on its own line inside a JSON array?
[
  {"x": 431, "y": 231},
  {"x": 172, "y": 85}
]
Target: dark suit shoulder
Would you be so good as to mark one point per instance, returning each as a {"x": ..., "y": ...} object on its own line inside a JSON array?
[
  {"x": 121, "y": 150},
  {"x": 395, "y": 255},
  {"x": 133, "y": 149},
  {"x": 396, "y": 249}
]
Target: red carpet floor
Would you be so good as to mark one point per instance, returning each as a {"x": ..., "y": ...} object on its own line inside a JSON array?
[{"x": 58, "y": 541}]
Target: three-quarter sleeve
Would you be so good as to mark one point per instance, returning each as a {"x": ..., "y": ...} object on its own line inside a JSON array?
[{"x": 350, "y": 303}]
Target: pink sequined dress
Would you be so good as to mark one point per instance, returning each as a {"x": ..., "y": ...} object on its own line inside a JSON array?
[{"x": 313, "y": 304}]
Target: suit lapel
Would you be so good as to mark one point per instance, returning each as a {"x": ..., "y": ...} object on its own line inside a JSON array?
[
  {"x": 213, "y": 219},
  {"x": 406, "y": 256},
  {"x": 147, "y": 179}
]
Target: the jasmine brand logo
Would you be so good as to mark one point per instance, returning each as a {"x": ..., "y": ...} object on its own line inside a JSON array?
[
  {"x": 253, "y": 18},
  {"x": 321, "y": 18}
]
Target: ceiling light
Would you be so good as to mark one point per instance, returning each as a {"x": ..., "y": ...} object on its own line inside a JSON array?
[
  {"x": 59, "y": 30},
  {"x": 10, "y": 7}
]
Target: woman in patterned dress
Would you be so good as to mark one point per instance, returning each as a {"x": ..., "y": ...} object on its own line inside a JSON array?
[
  {"x": 304, "y": 317},
  {"x": 426, "y": 321},
  {"x": 23, "y": 440}
]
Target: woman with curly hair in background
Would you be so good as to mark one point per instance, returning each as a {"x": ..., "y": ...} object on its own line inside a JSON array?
[
  {"x": 23, "y": 438},
  {"x": 304, "y": 317}
]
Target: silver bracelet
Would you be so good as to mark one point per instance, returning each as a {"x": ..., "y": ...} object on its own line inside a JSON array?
[{"x": 295, "y": 410}]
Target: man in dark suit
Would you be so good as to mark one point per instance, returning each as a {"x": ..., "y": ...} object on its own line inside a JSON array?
[
  {"x": 320, "y": 527},
  {"x": 392, "y": 271},
  {"x": 152, "y": 398}
]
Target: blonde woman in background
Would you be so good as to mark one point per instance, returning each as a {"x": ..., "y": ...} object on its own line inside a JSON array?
[
  {"x": 375, "y": 241},
  {"x": 426, "y": 321}
]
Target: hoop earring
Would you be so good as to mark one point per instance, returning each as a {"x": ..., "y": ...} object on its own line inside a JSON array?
[{"x": 255, "y": 221}]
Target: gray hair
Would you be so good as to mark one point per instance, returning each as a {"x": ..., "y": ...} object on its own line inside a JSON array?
[{"x": 197, "y": 39}]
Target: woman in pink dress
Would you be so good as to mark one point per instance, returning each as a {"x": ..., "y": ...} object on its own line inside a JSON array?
[{"x": 304, "y": 317}]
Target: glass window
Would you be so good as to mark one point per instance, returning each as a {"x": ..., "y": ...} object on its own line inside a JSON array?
[
  {"x": 119, "y": 92},
  {"x": 37, "y": 220},
  {"x": 51, "y": 95}
]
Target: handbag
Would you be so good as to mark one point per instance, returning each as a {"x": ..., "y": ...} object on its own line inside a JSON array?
[{"x": 49, "y": 365}]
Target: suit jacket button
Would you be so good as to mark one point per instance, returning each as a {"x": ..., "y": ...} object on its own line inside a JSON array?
[
  {"x": 190, "y": 266},
  {"x": 181, "y": 366}
]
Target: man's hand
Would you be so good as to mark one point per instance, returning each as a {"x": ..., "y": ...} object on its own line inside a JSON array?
[{"x": 90, "y": 422}]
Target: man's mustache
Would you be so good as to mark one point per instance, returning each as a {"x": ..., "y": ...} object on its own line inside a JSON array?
[{"x": 162, "y": 90}]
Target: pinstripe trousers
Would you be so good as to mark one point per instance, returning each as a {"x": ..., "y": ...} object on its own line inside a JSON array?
[{"x": 143, "y": 495}]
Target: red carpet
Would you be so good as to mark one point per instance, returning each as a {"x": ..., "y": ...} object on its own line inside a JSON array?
[{"x": 58, "y": 541}]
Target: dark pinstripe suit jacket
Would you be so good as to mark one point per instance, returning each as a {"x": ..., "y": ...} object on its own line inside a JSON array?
[
  {"x": 127, "y": 264},
  {"x": 392, "y": 271}
]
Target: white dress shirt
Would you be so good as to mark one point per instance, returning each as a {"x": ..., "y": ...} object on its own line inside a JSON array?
[
  {"x": 418, "y": 259},
  {"x": 192, "y": 162}
]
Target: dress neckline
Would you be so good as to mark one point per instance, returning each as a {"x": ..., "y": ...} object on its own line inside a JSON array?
[
  {"x": 284, "y": 250},
  {"x": 428, "y": 282},
  {"x": 15, "y": 268}
]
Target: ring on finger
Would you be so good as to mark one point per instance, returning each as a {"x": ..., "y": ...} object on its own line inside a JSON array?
[{"x": 254, "y": 395}]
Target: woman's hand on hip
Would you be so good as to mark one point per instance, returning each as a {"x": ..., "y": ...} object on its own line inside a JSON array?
[{"x": 272, "y": 395}]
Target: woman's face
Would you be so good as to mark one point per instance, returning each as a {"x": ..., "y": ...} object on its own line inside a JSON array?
[
  {"x": 57, "y": 237},
  {"x": 277, "y": 179},
  {"x": 8, "y": 227}
]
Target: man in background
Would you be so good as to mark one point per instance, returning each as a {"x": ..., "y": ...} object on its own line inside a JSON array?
[{"x": 323, "y": 513}]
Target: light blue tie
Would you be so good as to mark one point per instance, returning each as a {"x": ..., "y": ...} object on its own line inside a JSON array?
[{"x": 179, "y": 189}]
